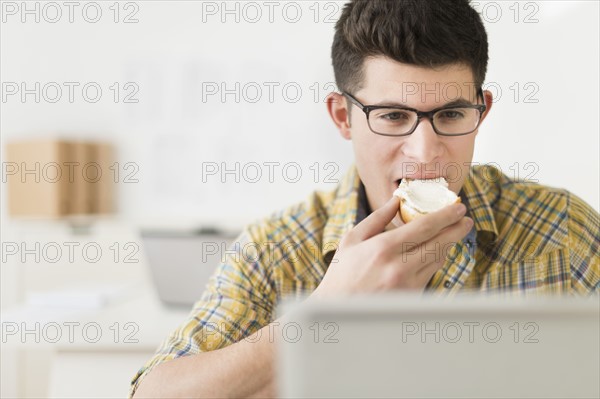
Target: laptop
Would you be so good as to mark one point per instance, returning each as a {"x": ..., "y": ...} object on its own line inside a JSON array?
[
  {"x": 403, "y": 346},
  {"x": 182, "y": 261}
]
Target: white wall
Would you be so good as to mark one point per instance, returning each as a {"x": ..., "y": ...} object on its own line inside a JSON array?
[{"x": 178, "y": 48}]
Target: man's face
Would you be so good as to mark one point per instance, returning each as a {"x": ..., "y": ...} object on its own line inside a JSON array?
[{"x": 383, "y": 161}]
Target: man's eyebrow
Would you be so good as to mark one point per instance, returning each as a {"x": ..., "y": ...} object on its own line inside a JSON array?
[{"x": 454, "y": 103}]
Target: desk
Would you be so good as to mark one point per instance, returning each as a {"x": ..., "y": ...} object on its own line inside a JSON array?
[{"x": 83, "y": 363}]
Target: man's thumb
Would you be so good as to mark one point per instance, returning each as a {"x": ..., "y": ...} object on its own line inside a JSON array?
[{"x": 377, "y": 221}]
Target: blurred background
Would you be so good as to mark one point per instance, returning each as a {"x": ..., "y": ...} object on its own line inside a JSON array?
[{"x": 178, "y": 122}]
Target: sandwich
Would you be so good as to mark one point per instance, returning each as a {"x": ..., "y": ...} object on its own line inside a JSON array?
[{"x": 420, "y": 197}]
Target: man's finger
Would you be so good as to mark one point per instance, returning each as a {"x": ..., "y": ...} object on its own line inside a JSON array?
[
  {"x": 443, "y": 243},
  {"x": 427, "y": 226},
  {"x": 395, "y": 223},
  {"x": 376, "y": 222}
]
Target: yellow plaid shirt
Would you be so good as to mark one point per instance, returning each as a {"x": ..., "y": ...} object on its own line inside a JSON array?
[{"x": 529, "y": 239}]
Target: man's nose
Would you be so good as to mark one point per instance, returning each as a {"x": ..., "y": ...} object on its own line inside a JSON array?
[{"x": 423, "y": 145}]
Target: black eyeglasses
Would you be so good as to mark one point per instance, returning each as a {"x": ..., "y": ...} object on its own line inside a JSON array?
[{"x": 452, "y": 120}]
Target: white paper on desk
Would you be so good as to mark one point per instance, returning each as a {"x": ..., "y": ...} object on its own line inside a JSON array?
[{"x": 88, "y": 296}]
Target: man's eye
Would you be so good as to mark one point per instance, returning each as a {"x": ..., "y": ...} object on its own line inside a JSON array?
[
  {"x": 394, "y": 116},
  {"x": 451, "y": 114}
]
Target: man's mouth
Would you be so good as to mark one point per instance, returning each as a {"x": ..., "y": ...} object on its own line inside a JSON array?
[{"x": 419, "y": 177}]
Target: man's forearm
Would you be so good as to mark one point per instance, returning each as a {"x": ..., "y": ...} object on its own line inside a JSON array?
[{"x": 243, "y": 369}]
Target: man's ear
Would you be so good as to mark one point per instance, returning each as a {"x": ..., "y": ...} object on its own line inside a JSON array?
[
  {"x": 338, "y": 111},
  {"x": 488, "y": 99}
]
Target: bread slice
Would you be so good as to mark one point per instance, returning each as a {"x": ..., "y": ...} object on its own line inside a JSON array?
[{"x": 420, "y": 197}]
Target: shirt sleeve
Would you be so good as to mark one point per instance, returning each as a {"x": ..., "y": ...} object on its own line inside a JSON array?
[
  {"x": 238, "y": 300},
  {"x": 584, "y": 242}
]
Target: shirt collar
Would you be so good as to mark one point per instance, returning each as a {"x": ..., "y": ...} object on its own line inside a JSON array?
[
  {"x": 349, "y": 207},
  {"x": 479, "y": 197},
  {"x": 341, "y": 212}
]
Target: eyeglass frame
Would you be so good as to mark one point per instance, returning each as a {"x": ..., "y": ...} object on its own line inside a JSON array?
[{"x": 420, "y": 114}]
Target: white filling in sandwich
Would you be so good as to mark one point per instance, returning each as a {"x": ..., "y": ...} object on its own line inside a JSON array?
[{"x": 426, "y": 195}]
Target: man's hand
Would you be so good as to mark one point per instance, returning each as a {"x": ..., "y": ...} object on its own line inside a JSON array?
[{"x": 370, "y": 259}]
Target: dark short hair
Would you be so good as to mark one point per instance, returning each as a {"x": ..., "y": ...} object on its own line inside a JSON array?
[{"x": 429, "y": 33}]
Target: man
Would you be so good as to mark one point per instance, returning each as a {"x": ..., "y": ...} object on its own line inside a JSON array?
[{"x": 506, "y": 236}]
